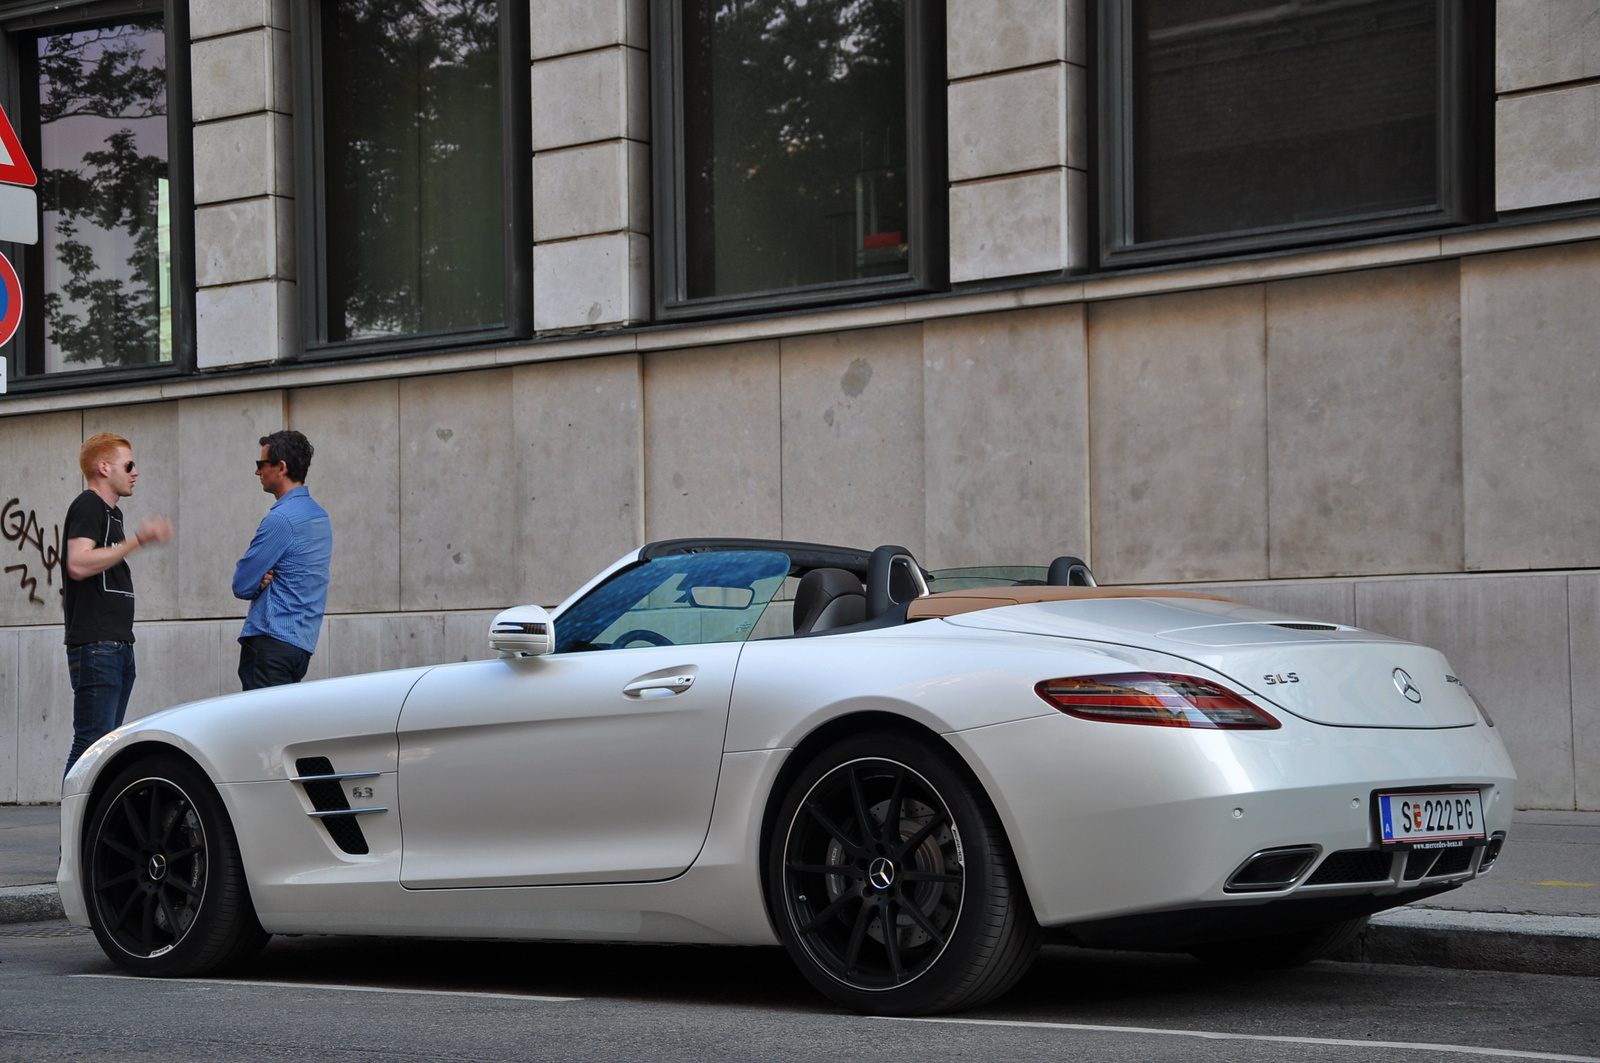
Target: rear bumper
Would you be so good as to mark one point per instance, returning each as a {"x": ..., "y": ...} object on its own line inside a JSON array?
[{"x": 1110, "y": 821}]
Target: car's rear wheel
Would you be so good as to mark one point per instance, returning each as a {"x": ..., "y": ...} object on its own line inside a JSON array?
[
  {"x": 1279, "y": 951},
  {"x": 166, "y": 888},
  {"x": 892, "y": 884}
]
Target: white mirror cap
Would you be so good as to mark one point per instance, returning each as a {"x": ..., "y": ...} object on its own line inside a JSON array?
[{"x": 523, "y": 631}]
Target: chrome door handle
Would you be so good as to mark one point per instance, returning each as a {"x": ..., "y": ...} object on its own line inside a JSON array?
[{"x": 659, "y": 687}]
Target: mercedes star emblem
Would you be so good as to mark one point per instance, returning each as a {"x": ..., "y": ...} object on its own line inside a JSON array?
[
  {"x": 881, "y": 873},
  {"x": 1403, "y": 683}
]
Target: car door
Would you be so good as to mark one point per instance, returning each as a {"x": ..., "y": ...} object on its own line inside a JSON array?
[{"x": 597, "y": 763}]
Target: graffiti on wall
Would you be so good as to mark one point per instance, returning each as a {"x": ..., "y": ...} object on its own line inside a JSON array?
[{"x": 22, "y": 527}]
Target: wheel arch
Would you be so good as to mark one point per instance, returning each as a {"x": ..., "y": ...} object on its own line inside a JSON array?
[{"x": 825, "y": 735}]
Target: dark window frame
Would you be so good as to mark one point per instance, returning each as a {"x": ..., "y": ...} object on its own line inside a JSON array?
[
  {"x": 927, "y": 188},
  {"x": 1461, "y": 161},
  {"x": 25, "y": 352},
  {"x": 516, "y": 184}
]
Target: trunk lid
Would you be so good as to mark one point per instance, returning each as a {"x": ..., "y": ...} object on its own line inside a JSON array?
[{"x": 1327, "y": 673}]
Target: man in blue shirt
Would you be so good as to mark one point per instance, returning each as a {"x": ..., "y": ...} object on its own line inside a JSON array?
[{"x": 284, "y": 574}]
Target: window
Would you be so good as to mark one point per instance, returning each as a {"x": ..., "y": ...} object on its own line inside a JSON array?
[
  {"x": 417, "y": 165},
  {"x": 679, "y": 600},
  {"x": 1233, "y": 125},
  {"x": 799, "y": 151},
  {"x": 101, "y": 109}
]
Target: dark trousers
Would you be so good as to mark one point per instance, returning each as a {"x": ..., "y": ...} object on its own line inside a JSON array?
[
  {"x": 268, "y": 662},
  {"x": 102, "y": 680}
]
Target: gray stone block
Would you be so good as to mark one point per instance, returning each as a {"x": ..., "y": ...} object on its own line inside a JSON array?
[
  {"x": 355, "y": 476},
  {"x": 594, "y": 96},
  {"x": 1364, "y": 422},
  {"x": 1009, "y": 123},
  {"x": 466, "y": 636},
  {"x": 579, "y": 431},
  {"x": 853, "y": 438},
  {"x": 1543, "y": 42},
  {"x": 238, "y": 158},
  {"x": 1547, "y": 148},
  {"x": 1507, "y": 638},
  {"x": 241, "y": 74},
  {"x": 40, "y": 471},
  {"x": 598, "y": 188},
  {"x": 152, "y": 428},
  {"x": 248, "y": 240},
  {"x": 44, "y": 714},
  {"x": 1006, "y": 425},
  {"x": 177, "y": 663},
  {"x": 246, "y": 324},
  {"x": 362, "y": 644},
  {"x": 214, "y": 17},
  {"x": 219, "y": 497},
  {"x": 557, "y": 27},
  {"x": 1583, "y": 597},
  {"x": 1178, "y": 444},
  {"x": 591, "y": 282},
  {"x": 1011, "y": 226},
  {"x": 1530, "y": 383},
  {"x": 8, "y": 716},
  {"x": 458, "y": 510},
  {"x": 713, "y": 449},
  {"x": 984, "y": 36}
]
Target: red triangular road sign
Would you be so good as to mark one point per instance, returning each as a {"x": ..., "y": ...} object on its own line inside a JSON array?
[{"x": 14, "y": 166}]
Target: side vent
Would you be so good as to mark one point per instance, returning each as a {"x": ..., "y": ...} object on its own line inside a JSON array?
[
  {"x": 326, "y": 791},
  {"x": 1294, "y": 626}
]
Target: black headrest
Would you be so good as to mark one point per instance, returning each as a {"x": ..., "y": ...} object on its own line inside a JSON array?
[
  {"x": 889, "y": 580},
  {"x": 818, "y": 589},
  {"x": 1069, "y": 572}
]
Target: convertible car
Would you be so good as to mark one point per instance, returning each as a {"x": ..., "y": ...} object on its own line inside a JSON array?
[{"x": 909, "y": 779}]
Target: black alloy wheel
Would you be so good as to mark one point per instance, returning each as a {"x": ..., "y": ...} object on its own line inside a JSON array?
[
  {"x": 895, "y": 889},
  {"x": 166, "y": 888}
]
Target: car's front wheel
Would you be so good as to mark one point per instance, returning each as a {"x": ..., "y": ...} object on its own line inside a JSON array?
[
  {"x": 892, "y": 884},
  {"x": 167, "y": 894}
]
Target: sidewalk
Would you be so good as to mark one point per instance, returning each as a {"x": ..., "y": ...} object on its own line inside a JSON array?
[{"x": 1538, "y": 910}]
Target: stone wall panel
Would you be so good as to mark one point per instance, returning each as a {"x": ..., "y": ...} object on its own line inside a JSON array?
[
  {"x": 40, "y": 471},
  {"x": 1583, "y": 595},
  {"x": 1364, "y": 422},
  {"x": 44, "y": 714},
  {"x": 713, "y": 449},
  {"x": 1007, "y": 438},
  {"x": 457, "y": 505},
  {"x": 1178, "y": 437},
  {"x": 579, "y": 466}
]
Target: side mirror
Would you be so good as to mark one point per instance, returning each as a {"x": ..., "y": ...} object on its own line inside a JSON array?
[{"x": 523, "y": 631}]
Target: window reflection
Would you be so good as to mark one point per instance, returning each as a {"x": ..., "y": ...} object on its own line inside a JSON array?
[
  {"x": 101, "y": 113},
  {"x": 412, "y": 157},
  {"x": 794, "y": 143}
]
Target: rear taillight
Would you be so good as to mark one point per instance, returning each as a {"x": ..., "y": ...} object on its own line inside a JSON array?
[{"x": 1154, "y": 698}]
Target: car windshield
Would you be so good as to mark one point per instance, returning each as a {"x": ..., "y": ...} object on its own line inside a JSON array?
[{"x": 716, "y": 596}]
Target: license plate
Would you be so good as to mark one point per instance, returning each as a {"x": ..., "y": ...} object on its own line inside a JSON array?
[{"x": 1430, "y": 820}]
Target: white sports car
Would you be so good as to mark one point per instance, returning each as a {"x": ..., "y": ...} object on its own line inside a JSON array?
[{"x": 741, "y": 741}]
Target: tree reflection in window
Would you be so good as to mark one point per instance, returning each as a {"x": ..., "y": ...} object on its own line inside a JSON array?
[
  {"x": 102, "y": 106},
  {"x": 794, "y": 143}
]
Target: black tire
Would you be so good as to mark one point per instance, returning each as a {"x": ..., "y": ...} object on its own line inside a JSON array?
[
  {"x": 942, "y": 876},
  {"x": 166, "y": 888},
  {"x": 1276, "y": 952}
]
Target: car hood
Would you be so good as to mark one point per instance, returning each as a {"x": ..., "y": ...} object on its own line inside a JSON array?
[{"x": 1327, "y": 673}]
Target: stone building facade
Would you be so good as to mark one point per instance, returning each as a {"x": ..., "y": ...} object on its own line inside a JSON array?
[{"x": 1392, "y": 429}]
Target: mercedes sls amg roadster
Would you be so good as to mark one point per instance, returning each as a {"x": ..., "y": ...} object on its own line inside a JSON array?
[{"x": 908, "y": 779}]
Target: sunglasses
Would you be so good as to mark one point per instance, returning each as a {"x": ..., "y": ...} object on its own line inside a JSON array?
[
  {"x": 129, "y": 467},
  {"x": 267, "y": 464}
]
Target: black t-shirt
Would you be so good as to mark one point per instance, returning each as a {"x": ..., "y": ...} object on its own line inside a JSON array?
[{"x": 100, "y": 608}]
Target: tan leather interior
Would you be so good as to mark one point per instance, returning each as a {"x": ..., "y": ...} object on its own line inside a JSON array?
[{"x": 950, "y": 603}]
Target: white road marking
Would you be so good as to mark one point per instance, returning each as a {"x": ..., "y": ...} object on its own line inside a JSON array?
[
  {"x": 324, "y": 985},
  {"x": 1216, "y": 1035}
]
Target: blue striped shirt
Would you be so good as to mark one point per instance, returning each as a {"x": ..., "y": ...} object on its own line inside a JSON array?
[{"x": 295, "y": 541}]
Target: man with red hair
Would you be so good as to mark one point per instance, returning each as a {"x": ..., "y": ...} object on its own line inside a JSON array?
[{"x": 97, "y": 594}]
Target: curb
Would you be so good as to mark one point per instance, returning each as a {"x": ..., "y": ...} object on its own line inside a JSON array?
[
  {"x": 30, "y": 904},
  {"x": 1483, "y": 941}
]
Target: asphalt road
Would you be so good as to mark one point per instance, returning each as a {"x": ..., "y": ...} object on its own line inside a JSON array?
[{"x": 344, "y": 999}]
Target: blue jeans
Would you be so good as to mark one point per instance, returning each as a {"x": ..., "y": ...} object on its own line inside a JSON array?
[{"x": 102, "y": 680}]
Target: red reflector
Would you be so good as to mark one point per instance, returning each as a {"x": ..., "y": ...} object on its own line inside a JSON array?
[
  {"x": 873, "y": 241},
  {"x": 1155, "y": 698}
]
